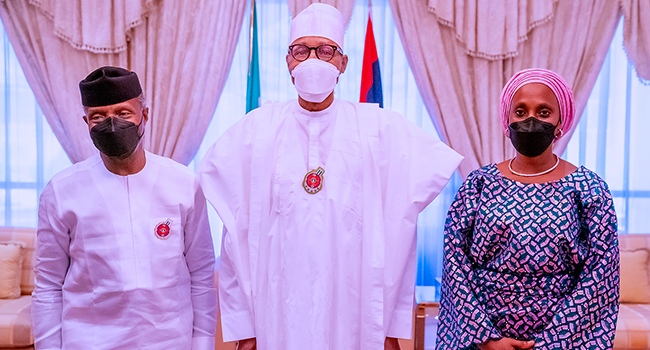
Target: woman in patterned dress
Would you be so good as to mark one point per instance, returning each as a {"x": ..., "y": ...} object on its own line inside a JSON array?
[{"x": 531, "y": 249}]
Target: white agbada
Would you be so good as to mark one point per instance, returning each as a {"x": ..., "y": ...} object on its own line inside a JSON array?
[
  {"x": 331, "y": 270},
  {"x": 104, "y": 279}
]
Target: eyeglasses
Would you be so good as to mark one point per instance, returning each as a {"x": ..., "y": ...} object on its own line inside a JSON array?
[{"x": 324, "y": 52}]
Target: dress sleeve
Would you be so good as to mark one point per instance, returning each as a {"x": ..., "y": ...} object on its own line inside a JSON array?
[
  {"x": 225, "y": 173},
  {"x": 236, "y": 317},
  {"x": 463, "y": 321},
  {"x": 415, "y": 167},
  {"x": 52, "y": 262},
  {"x": 199, "y": 255},
  {"x": 587, "y": 317}
]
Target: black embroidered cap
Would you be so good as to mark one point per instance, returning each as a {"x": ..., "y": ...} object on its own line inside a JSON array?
[{"x": 109, "y": 85}]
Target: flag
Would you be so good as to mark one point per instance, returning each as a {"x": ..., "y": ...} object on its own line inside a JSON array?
[
  {"x": 253, "y": 84},
  {"x": 370, "y": 75}
]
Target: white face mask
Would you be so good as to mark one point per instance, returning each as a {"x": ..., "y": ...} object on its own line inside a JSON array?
[{"x": 315, "y": 79}]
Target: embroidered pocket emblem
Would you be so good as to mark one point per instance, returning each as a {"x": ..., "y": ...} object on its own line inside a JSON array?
[
  {"x": 313, "y": 181},
  {"x": 163, "y": 229}
]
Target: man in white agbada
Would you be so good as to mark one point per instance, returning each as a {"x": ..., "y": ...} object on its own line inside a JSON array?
[
  {"x": 319, "y": 199},
  {"x": 124, "y": 254}
]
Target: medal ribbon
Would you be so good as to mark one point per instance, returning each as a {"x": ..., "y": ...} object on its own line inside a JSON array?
[{"x": 314, "y": 134}]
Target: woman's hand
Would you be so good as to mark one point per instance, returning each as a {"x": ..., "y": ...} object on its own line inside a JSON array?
[
  {"x": 247, "y": 344},
  {"x": 506, "y": 344}
]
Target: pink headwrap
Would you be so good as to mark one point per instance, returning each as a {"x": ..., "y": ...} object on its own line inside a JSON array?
[{"x": 555, "y": 82}]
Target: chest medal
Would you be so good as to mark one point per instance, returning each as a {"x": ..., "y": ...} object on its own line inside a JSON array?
[
  {"x": 163, "y": 229},
  {"x": 313, "y": 181}
]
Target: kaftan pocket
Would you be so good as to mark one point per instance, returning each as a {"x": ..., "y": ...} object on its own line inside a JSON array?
[
  {"x": 284, "y": 195},
  {"x": 165, "y": 238},
  {"x": 344, "y": 195}
]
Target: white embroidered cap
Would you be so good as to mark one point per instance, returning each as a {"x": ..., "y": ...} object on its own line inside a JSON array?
[{"x": 318, "y": 19}]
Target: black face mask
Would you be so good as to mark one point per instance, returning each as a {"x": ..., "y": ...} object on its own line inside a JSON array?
[
  {"x": 115, "y": 137},
  {"x": 531, "y": 137}
]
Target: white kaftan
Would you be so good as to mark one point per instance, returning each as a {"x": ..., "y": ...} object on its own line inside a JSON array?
[
  {"x": 334, "y": 269},
  {"x": 104, "y": 279}
]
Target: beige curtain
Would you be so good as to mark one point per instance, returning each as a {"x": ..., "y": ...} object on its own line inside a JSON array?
[
  {"x": 98, "y": 26},
  {"x": 53, "y": 70},
  {"x": 345, "y": 6},
  {"x": 462, "y": 91},
  {"x": 636, "y": 35},
  {"x": 181, "y": 50},
  {"x": 492, "y": 29},
  {"x": 183, "y": 54}
]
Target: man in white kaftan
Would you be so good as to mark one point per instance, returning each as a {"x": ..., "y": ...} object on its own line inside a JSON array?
[
  {"x": 124, "y": 256},
  {"x": 319, "y": 199}
]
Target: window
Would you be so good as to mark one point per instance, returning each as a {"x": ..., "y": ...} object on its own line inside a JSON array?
[
  {"x": 610, "y": 138},
  {"x": 31, "y": 155}
]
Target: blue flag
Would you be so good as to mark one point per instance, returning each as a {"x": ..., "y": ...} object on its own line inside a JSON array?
[{"x": 253, "y": 85}]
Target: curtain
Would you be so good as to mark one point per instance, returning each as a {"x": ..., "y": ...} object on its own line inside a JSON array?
[
  {"x": 492, "y": 29},
  {"x": 183, "y": 54},
  {"x": 637, "y": 35},
  {"x": 462, "y": 92},
  {"x": 99, "y": 27},
  {"x": 53, "y": 70},
  {"x": 181, "y": 51}
]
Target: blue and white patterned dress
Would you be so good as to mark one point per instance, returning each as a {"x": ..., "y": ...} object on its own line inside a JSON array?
[{"x": 530, "y": 262}]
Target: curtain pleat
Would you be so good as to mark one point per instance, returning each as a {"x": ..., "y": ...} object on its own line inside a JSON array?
[
  {"x": 183, "y": 54},
  {"x": 492, "y": 29},
  {"x": 636, "y": 35},
  {"x": 97, "y": 26}
]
